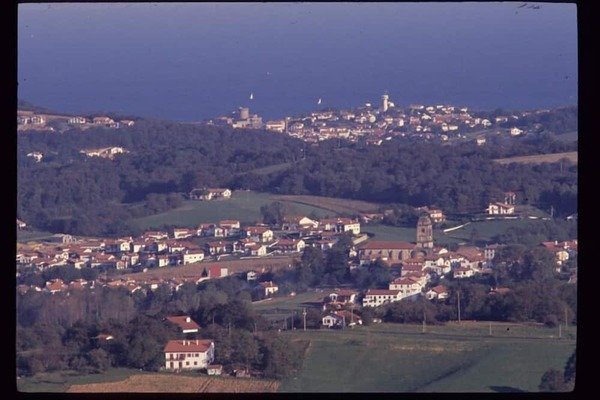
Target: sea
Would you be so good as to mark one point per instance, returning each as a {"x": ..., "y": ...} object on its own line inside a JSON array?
[{"x": 190, "y": 62}]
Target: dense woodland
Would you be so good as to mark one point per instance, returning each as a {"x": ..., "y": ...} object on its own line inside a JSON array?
[{"x": 70, "y": 193}]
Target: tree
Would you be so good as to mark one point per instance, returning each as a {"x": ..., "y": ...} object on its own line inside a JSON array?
[
  {"x": 553, "y": 381},
  {"x": 280, "y": 356},
  {"x": 570, "y": 371},
  {"x": 99, "y": 360},
  {"x": 273, "y": 213}
]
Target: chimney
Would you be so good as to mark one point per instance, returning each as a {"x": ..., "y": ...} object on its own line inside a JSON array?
[
  {"x": 196, "y": 342},
  {"x": 187, "y": 319}
]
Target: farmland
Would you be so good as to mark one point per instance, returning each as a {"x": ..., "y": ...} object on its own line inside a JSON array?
[
  {"x": 538, "y": 159},
  {"x": 243, "y": 206},
  {"x": 444, "y": 359},
  {"x": 339, "y": 206},
  {"x": 467, "y": 357},
  {"x": 169, "y": 383}
]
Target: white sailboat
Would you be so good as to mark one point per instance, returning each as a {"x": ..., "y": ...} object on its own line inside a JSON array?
[
  {"x": 251, "y": 96},
  {"x": 319, "y": 102}
]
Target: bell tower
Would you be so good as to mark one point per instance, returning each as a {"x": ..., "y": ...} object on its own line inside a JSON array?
[{"x": 424, "y": 233}]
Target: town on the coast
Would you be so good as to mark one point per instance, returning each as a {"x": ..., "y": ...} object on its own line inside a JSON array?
[{"x": 262, "y": 256}]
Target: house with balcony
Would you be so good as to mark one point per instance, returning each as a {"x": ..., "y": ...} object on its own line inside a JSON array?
[{"x": 188, "y": 354}]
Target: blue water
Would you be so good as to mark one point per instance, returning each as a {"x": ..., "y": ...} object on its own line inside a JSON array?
[{"x": 189, "y": 62}]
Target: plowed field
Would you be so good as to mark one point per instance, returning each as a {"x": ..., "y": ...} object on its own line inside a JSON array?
[{"x": 179, "y": 384}]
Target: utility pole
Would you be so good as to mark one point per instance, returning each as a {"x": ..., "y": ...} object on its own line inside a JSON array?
[
  {"x": 458, "y": 294},
  {"x": 566, "y": 320},
  {"x": 304, "y": 316},
  {"x": 292, "y": 318},
  {"x": 490, "y": 328},
  {"x": 423, "y": 322},
  {"x": 560, "y": 330}
]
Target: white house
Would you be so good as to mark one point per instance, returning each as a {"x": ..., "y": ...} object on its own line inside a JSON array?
[
  {"x": 406, "y": 286},
  {"x": 343, "y": 296},
  {"x": 259, "y": 233},
  {"x": 515, "y": 131},
  {"x": 500, "y": 209},
  {"x": 269, "y": 287},
  {"x": 437, "y": 292},
  {"x": 340, "y": 319},
  {"x": 377, "y": 297},
  {"x": 289, "y": 245},
  {"x": 298, "y": 222},
  {"x": 463, "y": 272},
  {"x": 192, "y": 256},
  {"x": 257, "y": 249},
  {"x": 189, "y": 354},
  {"x": 340, "y": 225}
]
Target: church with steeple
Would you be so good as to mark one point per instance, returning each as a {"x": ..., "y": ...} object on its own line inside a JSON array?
[{"x": 424, "y": 244}]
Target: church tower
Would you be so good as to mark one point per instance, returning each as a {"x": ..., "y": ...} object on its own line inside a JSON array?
[{"x": 424, "y": 233}]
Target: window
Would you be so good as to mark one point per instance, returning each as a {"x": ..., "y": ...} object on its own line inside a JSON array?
[
  {"x": 187, "y": 363},
  {"x": 195, "y": 362}
]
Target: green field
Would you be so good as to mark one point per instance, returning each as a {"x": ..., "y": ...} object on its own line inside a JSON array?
[
  {"x": 290, "y": 302},
  {"x": 486, "y": 230},
  {"x": 243, "y": 206},
  {"x": 31, "y": 235},
  {"x": 400, "y": 358},
  {"x": 59, "y": 382}
]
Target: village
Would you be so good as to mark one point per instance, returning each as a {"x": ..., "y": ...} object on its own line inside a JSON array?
[
  {"x": 370, "y": 123},
  {"x": 415, "y": 264},
  {"x": 376, "y": 123},
  {"x": 418, "y": 269}
]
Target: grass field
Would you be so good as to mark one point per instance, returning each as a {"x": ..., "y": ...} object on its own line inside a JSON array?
[
  {"x": 61, "y": 381},
  {"x": 337, "y": 205},
  {"x": 486, "y": 230},
  {"x": 32, "y": 235},
  {"x": 243, "y": 206},
  {"x": 400, "y": 358},
  {"x": 541, "y": 158},
  {"x": 567, "y": 137},
  {"x": 290, "y": 302},
  {"x": 378, "y": 358}
]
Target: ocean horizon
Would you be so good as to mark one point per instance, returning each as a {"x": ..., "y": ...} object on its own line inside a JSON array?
[{"x": 190, "y": 62}]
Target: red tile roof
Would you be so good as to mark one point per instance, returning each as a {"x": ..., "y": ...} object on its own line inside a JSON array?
[
  {"x": 388, "y": 245},
  {"x": 184, "y": 322},
  {"x": 382, "y": 292},
  {"x": 184, "y": 346}
]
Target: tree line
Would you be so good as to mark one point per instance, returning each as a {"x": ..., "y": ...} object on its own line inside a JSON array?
[{"x": 71, "y": 193}]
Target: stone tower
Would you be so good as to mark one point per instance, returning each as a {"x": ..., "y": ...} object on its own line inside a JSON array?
[{"x": 424, "y": 233}]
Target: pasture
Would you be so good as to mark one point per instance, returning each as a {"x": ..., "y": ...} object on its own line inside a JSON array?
[
  {"x": 540, "y": 158},
  {"x": 486, "y": 230},
  {"x": 243, "y": 206},
  {"x": 400, "y": 358}
]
